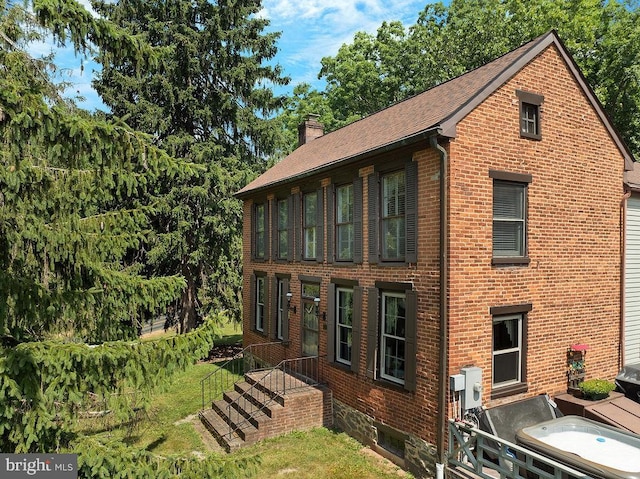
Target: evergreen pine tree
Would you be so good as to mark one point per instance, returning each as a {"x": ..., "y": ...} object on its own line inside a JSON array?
[{"x": 207, "y": 100}]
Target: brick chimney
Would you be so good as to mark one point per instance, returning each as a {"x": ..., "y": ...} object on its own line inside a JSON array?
[{"x": 310, "y": 129}]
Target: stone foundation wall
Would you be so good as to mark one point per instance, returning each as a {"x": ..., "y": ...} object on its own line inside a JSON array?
[{"x": 419, "y": 456}]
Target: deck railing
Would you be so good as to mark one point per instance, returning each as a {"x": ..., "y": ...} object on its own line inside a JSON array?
[
  {"x": 474, "y": 450},
  {"x": 251, "y": 358}
]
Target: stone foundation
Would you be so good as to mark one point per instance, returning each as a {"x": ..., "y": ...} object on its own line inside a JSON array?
[{"x": 419, "y": 456}]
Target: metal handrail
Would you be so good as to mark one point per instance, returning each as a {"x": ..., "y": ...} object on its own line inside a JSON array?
[
  {"x": 472, "y": 449},
  {"x": 296, "y": 374},
  {"x": 220, "y": 377}
]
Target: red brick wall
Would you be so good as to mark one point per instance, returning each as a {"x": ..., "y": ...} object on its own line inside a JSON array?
[
  {"x": 573, "y": 279},
  {"x": 574, "y": 246}
]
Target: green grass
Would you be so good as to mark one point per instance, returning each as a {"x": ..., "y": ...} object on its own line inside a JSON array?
[
  {"x": 318, "y": 454},
  {"x": 166, "y": 429}
]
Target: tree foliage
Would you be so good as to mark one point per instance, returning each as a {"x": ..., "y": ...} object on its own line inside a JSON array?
[
  {"x": 207, "y": 101},
  {"x": 44, "y": 385},
  {"x": 77, "y": 194},
  {"x": 375, "y": 71}
]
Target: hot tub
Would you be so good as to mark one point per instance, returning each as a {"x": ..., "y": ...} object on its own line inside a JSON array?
[{"x": 596, "y": 449}]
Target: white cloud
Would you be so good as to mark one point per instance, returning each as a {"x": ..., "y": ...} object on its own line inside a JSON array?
[{"x": 312, "y": 29}]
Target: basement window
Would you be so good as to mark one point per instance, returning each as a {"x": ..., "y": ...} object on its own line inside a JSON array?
[{"x": 391, "y": 440}]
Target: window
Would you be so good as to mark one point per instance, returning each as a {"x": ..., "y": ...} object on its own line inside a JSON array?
[
  {"x": 529, "y": 120},
  {"x": 309, "y": 229},
  {"x": 344, "y": 319},
  {"x": 259, "y": 240},
  {"x": 283, "y": 229},
  {"x": 310, "y": 321},
  {"x": 344, "y": 325},
  {"x": 509, "y": 335},
  {"x": 530, "y": 114},
  {"x": 281, "y": 308},
  {"x": 344, "y": 223},
  {"x": 393, "y": 215},
  {"x": 509, "y": 217},
  {"x": 392, "y": 337},
  {"x": 391, "y": 330},
  {"x": 393, "y": 211},
  {"x": 260, "y": 303}
]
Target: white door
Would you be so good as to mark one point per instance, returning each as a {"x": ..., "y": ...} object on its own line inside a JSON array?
[{"x": 632, "y": 283}]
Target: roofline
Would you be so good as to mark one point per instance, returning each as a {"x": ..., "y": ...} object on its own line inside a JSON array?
[
  {"x": 539, "y": 45},
  {"x": 349, "y": 160}
]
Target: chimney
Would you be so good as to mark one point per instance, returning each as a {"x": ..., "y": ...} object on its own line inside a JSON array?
[{"x": 310, "y": 129}]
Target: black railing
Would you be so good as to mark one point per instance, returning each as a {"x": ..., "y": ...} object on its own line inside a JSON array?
[
  {"x": 269, "y": 385},
  {"x": 474, "y": 450},
  {"x": 251, "y": 358}
]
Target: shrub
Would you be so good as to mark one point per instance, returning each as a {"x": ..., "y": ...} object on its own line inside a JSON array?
[{"x": 596, "y": 388}]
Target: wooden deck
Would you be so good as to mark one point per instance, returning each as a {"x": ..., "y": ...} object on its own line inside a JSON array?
[{"x": 616, "y": 410}]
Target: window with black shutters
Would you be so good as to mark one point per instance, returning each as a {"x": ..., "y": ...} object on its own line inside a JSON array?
[{"x": 393, "y": 215}]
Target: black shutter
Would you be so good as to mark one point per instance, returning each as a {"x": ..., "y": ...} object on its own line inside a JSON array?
[
  {"x": 331, "y": 322},
  {"x": 273, "y": 206},
  {"x": 273, "y": 331},
  {"x": 285, "y": 320},
  {"x": 410, "y": 341},
  {"x": 372, "y": 332},
  {"x": 356, "y": 329},
  {"x": 373, "y": 218},
  {"x": 290, "y": 222},
  {"x": 252, "y": 303},
  {"x": 253, "y": 230},
  {"x": 267, "y": 243},
  {"x": 357, "y": 220},
  {"x": 411, "y": 212},
  {"x": 331, "y": 217},
  {"x": 320, "y": 225},
  {"x": 297, "y": 222}
]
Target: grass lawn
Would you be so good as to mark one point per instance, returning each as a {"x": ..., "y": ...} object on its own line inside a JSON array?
[{"x": 172, "y": 427}]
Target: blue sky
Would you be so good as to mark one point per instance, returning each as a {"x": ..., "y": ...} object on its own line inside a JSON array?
[{"x": 310, "y": 30}]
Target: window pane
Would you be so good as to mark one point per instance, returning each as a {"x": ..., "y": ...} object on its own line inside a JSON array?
[
  {"x": 508, "y": 201},
  {"x": 529, "y": 118},
  {"x": 393, "y": 336},
  {"x": 344, "y": 240},
  {"x": 393, "y": 194},
  {"x": 506, "y": 367},
  {"x": 260, "y": 231},
  {"x": 310, "y": 242},
  {"x": 344, "y": 204},
  {"x": 344, "y": 320},
  {"x": 283, "y": 234},
  {"x": 310, "y": 204},
  {"x": 507, "y": 349},
  {"x": 260, "y": 297},
  {"x": 393, "y": 238},
  {"x": 508, "y": 219},
  {"x": 508, "y": 238},
  {"x": 506, "y": 334},
  {"x": 311, "y": 290}
]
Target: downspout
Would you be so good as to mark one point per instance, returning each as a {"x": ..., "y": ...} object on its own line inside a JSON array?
[
  {"x": 623, "y": 272},
  {"x": 443, "y": 378}
]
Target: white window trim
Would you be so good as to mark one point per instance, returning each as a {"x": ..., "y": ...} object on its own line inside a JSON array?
[
  {"x": 340, "y": 326},
  {"x": 281, "y": 310},
  {"x": 260, "y": 280},
  {"x": 383, "y": 336},
  {"x": 519, "y": 349}
]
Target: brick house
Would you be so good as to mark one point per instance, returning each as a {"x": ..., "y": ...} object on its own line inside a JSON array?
[{"x": 476, "y": 224}]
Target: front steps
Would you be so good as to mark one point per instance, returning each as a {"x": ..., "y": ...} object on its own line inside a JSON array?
[{"x": 266, "y": 404}]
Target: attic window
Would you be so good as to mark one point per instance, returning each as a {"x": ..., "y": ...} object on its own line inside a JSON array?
[{"x": 530, "y": 114}]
